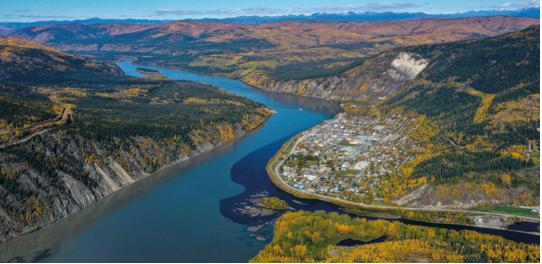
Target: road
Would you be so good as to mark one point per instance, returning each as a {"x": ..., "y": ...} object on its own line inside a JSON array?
[
  {"x": 43, "y": 128},
  {"x": 279, "y": 182},
  {"x": 451, "y": 142}
]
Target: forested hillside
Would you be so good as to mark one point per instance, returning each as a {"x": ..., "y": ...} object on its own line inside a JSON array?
[
  {"x": 270, "y": 56},
  {"x": 479, "y": 106},
  {"x": 376, "y": 77},
  {"x": 476, "y": 105},
  {"x": 73, "y": 130},
  {"x": 29, "y": 62}
]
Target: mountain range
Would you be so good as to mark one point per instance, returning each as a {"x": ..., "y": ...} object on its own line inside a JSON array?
[
  {"x": 376, "y": 16},
  {"x": 534, "y": 12},
  {"x": 262, "y": 54},
  {"x": 472, "y": 82}
]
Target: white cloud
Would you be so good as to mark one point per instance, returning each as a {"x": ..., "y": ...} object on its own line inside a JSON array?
[
  {"x": 515, "y": 5},
  {"x": 283, "y": 11}
]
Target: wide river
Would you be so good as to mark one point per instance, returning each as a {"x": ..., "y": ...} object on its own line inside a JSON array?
[{"x": 189, "y": 212}]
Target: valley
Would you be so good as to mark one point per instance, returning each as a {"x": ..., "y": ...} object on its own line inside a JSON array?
[
  {"x": 437, "y": 133},
  {"x": 176, "y": 197},
  {"x": 69, "y": 144},
  {"x": 305, "y": 58}
]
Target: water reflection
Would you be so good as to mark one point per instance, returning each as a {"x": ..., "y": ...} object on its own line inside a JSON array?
[
  {"x": 317, "y": 105},
  {"x": 274, "y": 100},
  {"x": 175, "y": 214},
  {"x": 251, "y": 173},
  {"x": 171, "y": 215},
  {"x": 50, "y": 236}
]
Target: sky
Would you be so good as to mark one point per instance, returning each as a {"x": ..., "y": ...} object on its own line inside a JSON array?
[{"x": 36, "y": 10}]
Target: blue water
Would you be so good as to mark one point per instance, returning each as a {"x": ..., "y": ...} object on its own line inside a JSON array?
[
  {"x": 176, "y": 217},
  {"x": 187, "y": 213}
]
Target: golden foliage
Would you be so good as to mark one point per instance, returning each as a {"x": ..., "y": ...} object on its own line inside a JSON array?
[
  {"x": 506, "y": 180},
  {"x": 273, "y": 203},
  {"x": 133, "y": 91},
  {"x": 225, "y": 131},
  {"x": 485, "y": 104},
  {"x": 93, "y": 159},
  {"x": 313, "y": 237},
  {"x": 522, "y": 109}
]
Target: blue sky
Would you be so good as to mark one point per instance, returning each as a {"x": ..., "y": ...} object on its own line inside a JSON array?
[{"x": 32, "y": 10}]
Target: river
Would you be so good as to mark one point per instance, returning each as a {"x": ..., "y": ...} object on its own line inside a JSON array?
[{"x": 190, "y": 212}]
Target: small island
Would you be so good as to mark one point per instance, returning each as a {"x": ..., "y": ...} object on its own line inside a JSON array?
[
  {"x": 150, "y": 72},
  {"x": 274, "y": 203}
]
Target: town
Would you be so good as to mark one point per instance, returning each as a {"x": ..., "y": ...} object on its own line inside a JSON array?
[{"x": 349, "y": 156}]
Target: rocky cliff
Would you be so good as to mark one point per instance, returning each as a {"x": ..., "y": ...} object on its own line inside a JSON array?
[
  {"x": 376, "y": 77},
  {"x": 267, "y": 54},
  {"x": 83, "y": 171},
  {"x": 71, "y": 139}
]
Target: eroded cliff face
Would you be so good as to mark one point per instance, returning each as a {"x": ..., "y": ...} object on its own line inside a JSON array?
[
  {"x": 57, "y": 174},
  {"x": 376, "y": 77},
  {"x": 73, "y": 130}
]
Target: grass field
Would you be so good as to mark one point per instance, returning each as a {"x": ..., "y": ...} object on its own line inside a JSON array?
[{"x": 507, "y": 209}]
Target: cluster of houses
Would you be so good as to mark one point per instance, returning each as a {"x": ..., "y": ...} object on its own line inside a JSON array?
[{"x": 348, "y": 156}]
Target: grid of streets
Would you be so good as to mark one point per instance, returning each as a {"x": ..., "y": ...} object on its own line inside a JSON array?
[{"x": 349, "y": 156}]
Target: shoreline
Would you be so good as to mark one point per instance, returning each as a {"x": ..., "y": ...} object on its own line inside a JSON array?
[
  {"x": 164, "y": 167},
  {"x": 275, "y": 178},
  {"x": 226, "y": 76}
]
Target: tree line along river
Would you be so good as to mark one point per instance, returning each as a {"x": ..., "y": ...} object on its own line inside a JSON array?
[{"x": 190, "y": 212}]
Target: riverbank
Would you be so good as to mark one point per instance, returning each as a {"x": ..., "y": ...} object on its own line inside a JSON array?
[
  {"x": 276, "y": 161},
  {"x": 156, "y": 219},
  {"x": 383, "y": 213},
  {"x": 113, "y": 142},
  {"x": 384, "y": 241},
  {"x": 207, "y": 148}
]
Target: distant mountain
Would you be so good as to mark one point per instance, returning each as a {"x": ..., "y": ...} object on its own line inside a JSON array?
[
  {"x": 260, "y": 54},
  {"x": 29, "y": 62},
  {"x": 7, "y": 27},
  {"x": 533, "y": 12},
  {"x": 376, "y": 16},
  {"x": 324, "y": 17},
  {"x": 474, "y": 62},
  {"x": 197, "y": 37}
]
